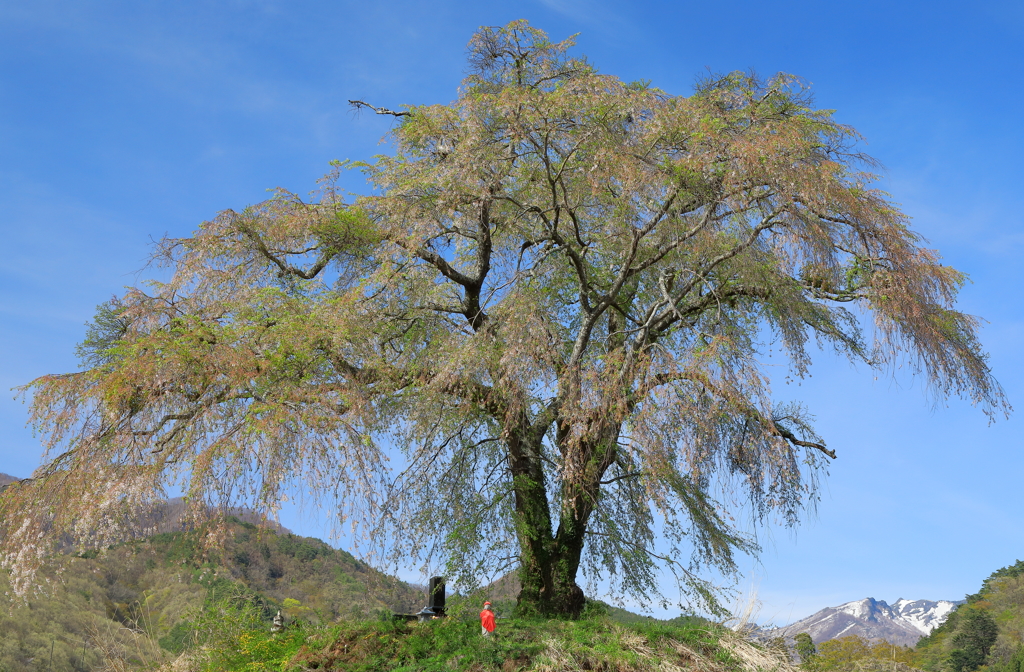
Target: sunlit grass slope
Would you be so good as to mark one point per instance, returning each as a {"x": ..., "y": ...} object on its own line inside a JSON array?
[{"x": 595, "y": 642}]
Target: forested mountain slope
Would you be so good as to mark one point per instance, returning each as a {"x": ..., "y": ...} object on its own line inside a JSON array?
[
  {"x": 140, "y": 600},
  {"x": 988, "y": 629}
]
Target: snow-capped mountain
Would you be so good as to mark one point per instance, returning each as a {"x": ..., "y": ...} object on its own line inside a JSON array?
[{"x": 904, "y": 622}]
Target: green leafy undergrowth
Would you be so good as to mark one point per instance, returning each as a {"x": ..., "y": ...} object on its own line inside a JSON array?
[{"x": 455, "y": 644}]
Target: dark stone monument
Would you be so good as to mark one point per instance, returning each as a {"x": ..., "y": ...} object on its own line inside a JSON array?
[
  {"x": 435, "y": 603},
  {"x": 436, "y": 594}
]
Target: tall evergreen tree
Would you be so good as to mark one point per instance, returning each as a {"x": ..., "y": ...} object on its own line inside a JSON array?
[{"x": 975, "y": 635}]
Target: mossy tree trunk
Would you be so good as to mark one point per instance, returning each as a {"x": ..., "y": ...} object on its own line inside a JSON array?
[{"x": 550, "y": 557}]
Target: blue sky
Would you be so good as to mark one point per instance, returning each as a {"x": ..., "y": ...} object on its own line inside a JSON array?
[{"x": 124, "y": 121}]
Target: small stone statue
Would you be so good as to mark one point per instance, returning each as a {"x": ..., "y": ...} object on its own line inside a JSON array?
[
  {"x": 487, "y": 620},
  {"x": 278, "y": 625}
]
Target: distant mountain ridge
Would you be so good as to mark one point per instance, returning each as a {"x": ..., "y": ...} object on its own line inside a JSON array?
[
  {"x": 157, "y": 586},
  {"x": 903, "y": 622}
]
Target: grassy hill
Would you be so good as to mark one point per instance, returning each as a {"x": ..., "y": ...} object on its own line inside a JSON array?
[
  {"x": 161, "y": 602},
  {"x": 454, "y": 644},
  {"x": 140, "y": 602}
]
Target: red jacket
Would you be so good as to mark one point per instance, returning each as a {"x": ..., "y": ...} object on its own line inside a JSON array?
[{"x": 487, "y": 620}]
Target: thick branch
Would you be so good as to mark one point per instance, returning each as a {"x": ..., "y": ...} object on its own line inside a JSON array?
[
  {"x": 285, "y": 268},
  {"x": 358, "y": 104}
]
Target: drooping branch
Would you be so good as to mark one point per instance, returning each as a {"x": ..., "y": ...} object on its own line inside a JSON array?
[{"x": 738, "y": 402}]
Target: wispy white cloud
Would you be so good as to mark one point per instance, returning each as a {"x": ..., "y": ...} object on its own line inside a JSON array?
[{"x": 588, "y": 12}]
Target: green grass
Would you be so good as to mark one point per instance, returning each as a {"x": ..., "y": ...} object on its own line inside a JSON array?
[{"x": 454, "y": 644}]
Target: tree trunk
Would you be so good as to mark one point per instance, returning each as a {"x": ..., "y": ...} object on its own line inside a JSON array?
[
  {"x": 549, "y": 560},
  {"x": 547, "y": 572}
]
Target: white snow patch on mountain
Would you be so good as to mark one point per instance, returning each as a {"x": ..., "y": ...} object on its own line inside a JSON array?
[
  {"x": 923, "y": 615},
  {"x": 903, "y": 622}
]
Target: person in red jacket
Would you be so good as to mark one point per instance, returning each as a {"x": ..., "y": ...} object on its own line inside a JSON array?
[{"x": 487, "y": 620}]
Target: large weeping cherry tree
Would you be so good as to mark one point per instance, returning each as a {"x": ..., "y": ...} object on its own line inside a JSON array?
[{"x": 538, "y": 342}]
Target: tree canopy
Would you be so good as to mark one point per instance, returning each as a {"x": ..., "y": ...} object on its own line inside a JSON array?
[{"x": 537, "y": 341}]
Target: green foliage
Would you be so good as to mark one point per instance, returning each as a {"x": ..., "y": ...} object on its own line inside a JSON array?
[
  {"x": 595, "y": 609},
  {"x": 233, "y": 630},
  {"x": 852, "y": 653},
  {"x": 990, "y": 584},
  {"x": 975, "y": 635},
  {"x": 1014, "y": 664},
  {"x": 805, "y": 647},
  {"x": 304, "y": 550},
  {"x": 180, "y": 637},
  {"x": 103, "y": 335}
]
